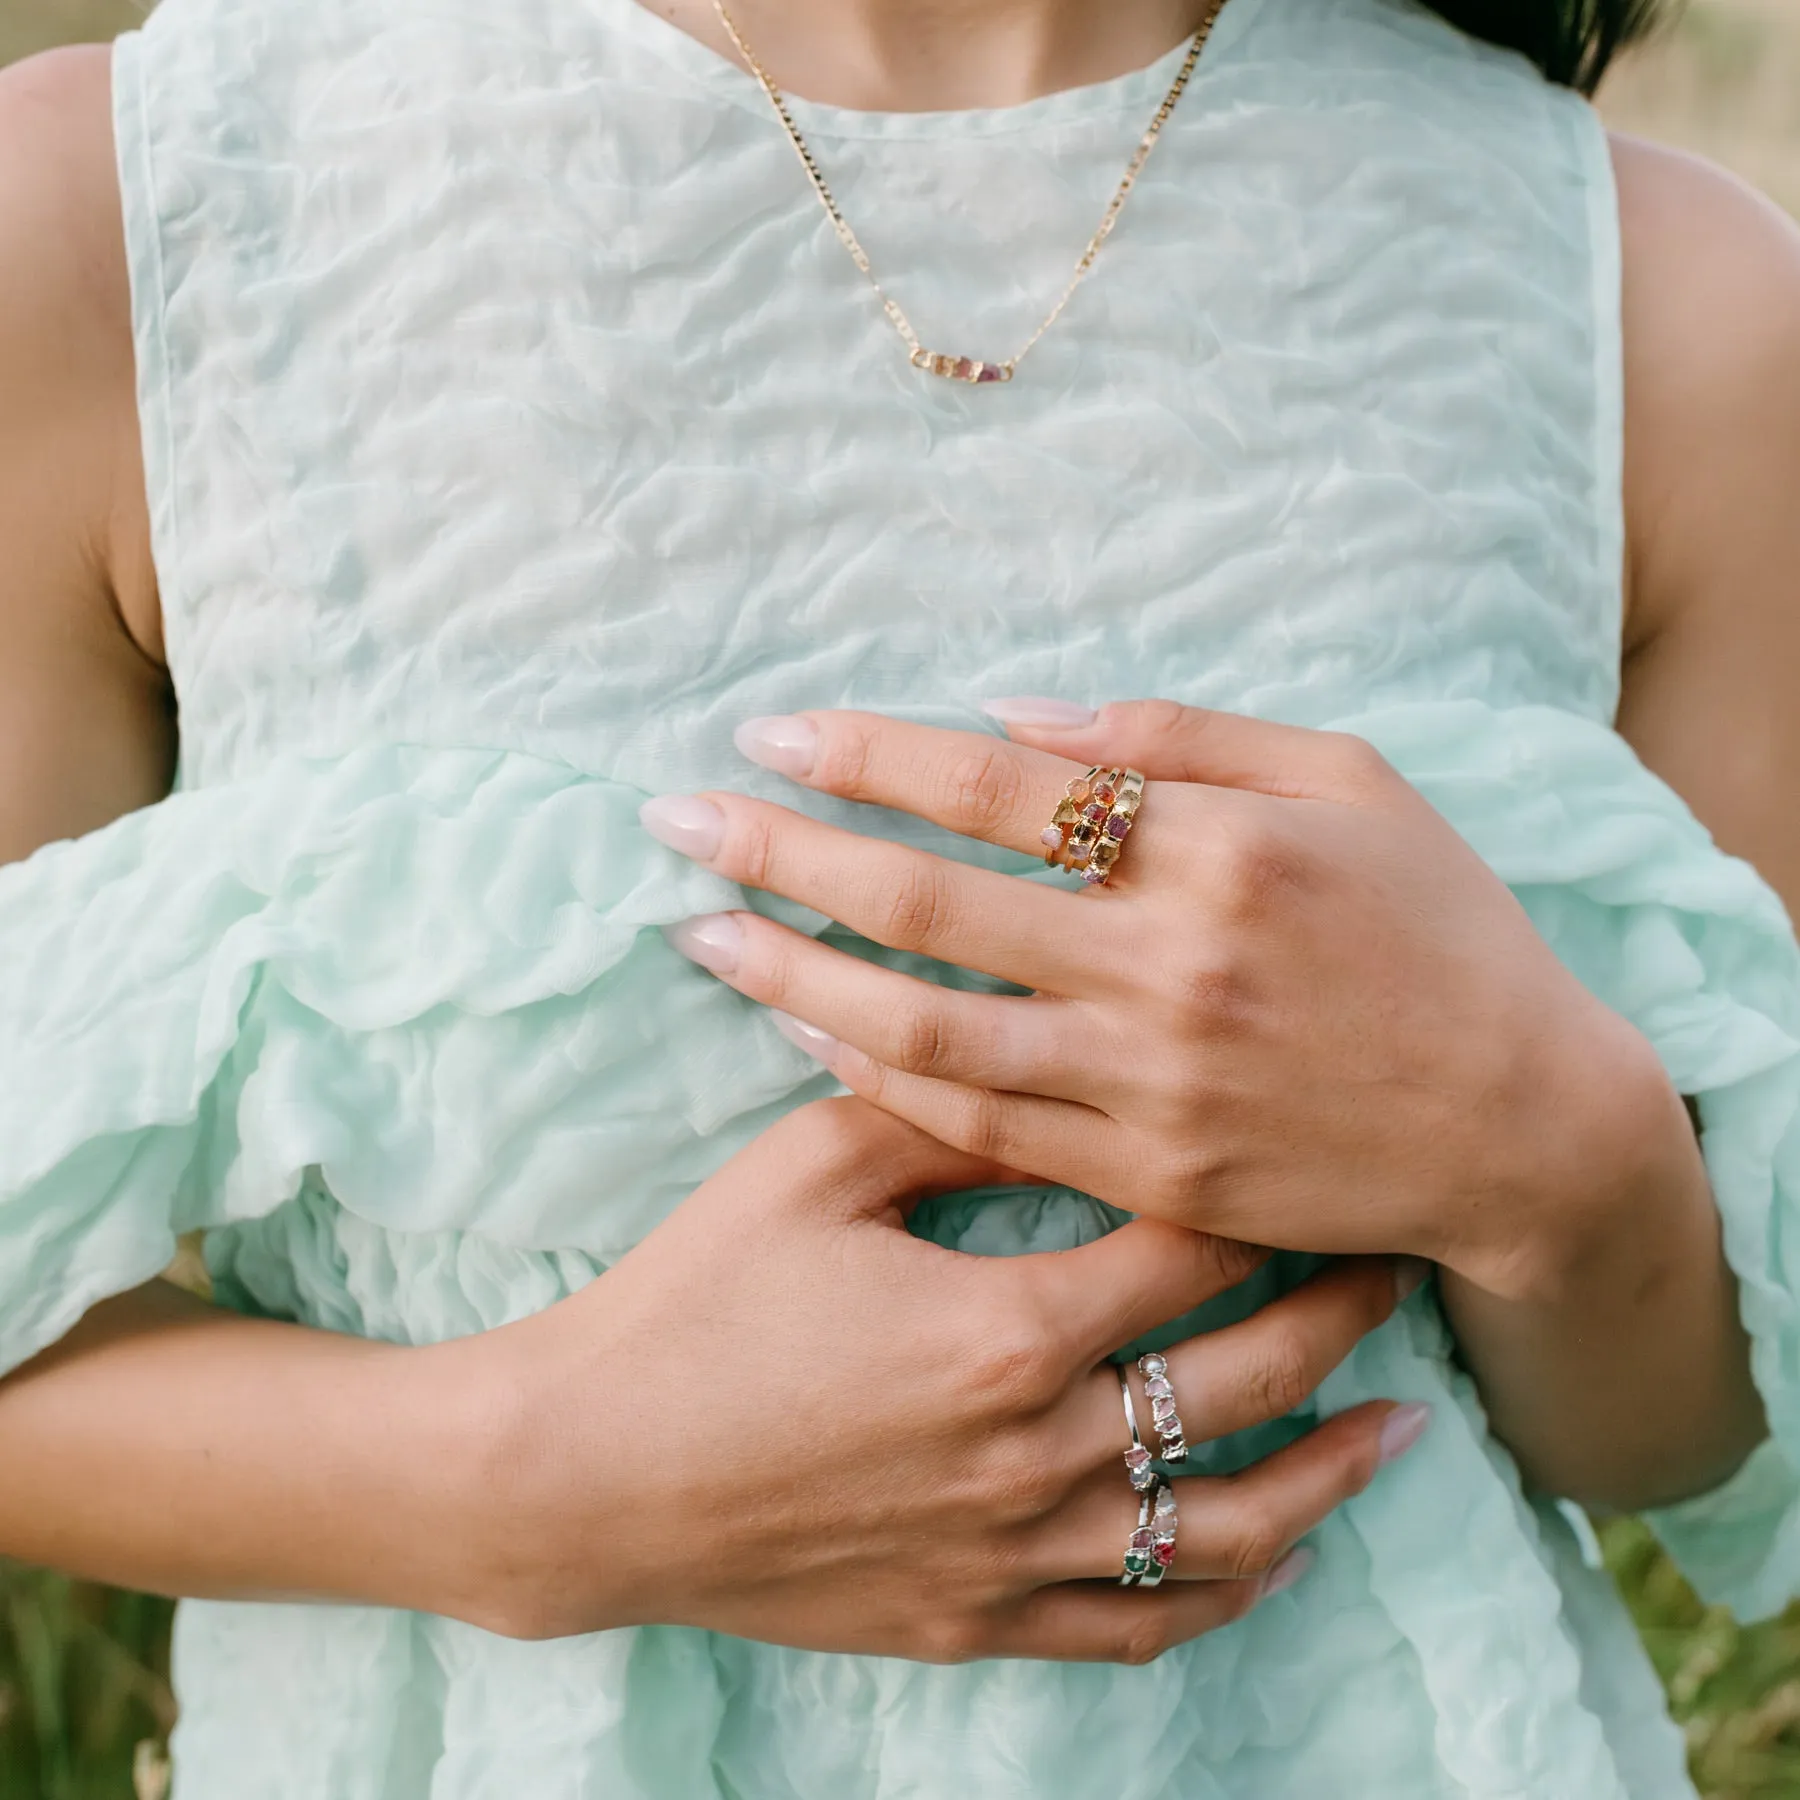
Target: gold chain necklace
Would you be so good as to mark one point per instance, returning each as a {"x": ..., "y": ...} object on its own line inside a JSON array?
[{"x": 933, "y": 362}]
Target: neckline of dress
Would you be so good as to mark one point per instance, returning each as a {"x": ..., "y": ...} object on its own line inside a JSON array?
[{"x": 1137, "y": 88}]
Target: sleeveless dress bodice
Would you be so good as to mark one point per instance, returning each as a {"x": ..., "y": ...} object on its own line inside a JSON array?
[{"x": 514, "y": 426}]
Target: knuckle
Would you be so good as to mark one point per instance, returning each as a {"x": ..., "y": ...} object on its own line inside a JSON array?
[
  {"x": 959, "y": 1639},
  {"x": 985, "y": 787},
  {"x": 1235, "y": 1260},
  {"x": 1254, "y": 869},
  {"x": 918, "y": 905},
  {"x": 1359, "y": 765},
  {"x": 754, "y": 849},
  {"x": 1026, "y": 1481},
  {"x": 1017, "y": 1369},
  {"x": 1253, "y": 1539},
  {"x": 1281, "y": 1376},
  {"x": 920, "y": 1047},
  {"x": 978, "y": 1125},
  {"x": 1179, "y": 1178},
  {"x": 1213, "y": 991},
  {"x": 1144, "y": 1640},
  {"x": 846, "y": 755},
  {"x": 1162, "y": 719}
]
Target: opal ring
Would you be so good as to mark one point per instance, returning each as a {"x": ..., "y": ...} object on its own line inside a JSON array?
[
  {"x": 1091, "y": 822},
  {"x": 1163, "y": 1415},
  {"x": 1137, "y": 1458}
]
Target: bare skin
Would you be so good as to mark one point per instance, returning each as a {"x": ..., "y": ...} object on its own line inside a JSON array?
[{"x": 86, "y": 733}]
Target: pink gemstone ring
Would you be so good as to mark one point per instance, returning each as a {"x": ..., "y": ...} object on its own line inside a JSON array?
[
  {"x": 1163, "y": 1415},
  {"x": 1091, "y": 823},
  {"x": 1137, "y": 1457}
]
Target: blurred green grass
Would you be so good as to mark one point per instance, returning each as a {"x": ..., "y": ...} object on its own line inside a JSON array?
[{"x": 85, "y": 1703}]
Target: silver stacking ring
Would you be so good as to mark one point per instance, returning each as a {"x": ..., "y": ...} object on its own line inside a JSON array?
[
  {"x": 1163, "y": 1526},
  {"x": 1167, "y": 1420},
  {"x": 1139, "y": 1557},
  {"x": 1137, "y": 1458}
]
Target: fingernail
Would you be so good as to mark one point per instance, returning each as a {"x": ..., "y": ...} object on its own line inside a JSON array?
[
  {"x": 1400, "y": 1430},
  {"x": 810, "y": 1038},
  {"x": 1289, "y": 1570},
  {"x": 694, "y": 827},
  {"x": 788, "y": 745},
  {"x": 1409, "y": 1271},
  {"x": 1033, "y": 709},
  {"x": 713, "y": 940}
]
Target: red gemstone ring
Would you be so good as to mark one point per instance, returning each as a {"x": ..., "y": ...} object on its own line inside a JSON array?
[{"x": 1163, "y": 1526}]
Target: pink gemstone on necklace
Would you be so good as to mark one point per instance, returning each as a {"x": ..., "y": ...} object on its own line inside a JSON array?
[
  {"x": 989, "y": 372},
  {"x": 964, "y": 370}
]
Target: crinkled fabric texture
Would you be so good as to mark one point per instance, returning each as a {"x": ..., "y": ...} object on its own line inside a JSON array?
[{"x": 514, "y": 426}]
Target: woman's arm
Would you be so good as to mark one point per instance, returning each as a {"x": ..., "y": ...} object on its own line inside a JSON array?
[{"x": 1639, "y": 1349}]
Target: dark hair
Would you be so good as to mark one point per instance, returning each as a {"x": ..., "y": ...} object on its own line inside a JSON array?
[{"x": 1572, "y": 41}]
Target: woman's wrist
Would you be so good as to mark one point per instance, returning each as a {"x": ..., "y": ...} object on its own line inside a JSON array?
[
  {"x": 1599, "y": 1318},
  {"x": 519, "y": 1410},
  {"x": 1599, "y": 1147}
]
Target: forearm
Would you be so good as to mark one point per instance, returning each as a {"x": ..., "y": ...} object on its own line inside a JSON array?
[
  {"x": 1611, "y": 1357},
  {"x": 172, "y": 1446}
]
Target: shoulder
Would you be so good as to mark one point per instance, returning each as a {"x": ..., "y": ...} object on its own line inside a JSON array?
[
  {"x": 68, "y": 418},
  {"x": 59, "y": 198},
  {"x": 1711, "y": 313}
]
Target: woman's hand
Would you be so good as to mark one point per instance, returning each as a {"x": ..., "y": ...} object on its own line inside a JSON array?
[
  {"x": 785, "y": 1418},
  {"x": 1303, "y": 1012}
]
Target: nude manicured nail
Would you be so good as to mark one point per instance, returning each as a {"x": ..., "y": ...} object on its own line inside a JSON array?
[
  {"x": 1286, "y": 1572},
  {"x": 713, "y": 940},
  {"x": 1033, "y": 709},
  {"x": 810, "y": 1038},
  {"x": 1409, "y": 1271},
  {"x": 694, "y": 827},
  {"x": 1400, "y": 1430},
  {"x": 788, "y": 745}
]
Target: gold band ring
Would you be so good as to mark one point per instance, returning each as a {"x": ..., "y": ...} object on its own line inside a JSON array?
[{"x": 1091, "y": 822}]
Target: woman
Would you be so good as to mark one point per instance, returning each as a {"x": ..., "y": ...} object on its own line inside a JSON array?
[{"x": 472, "y": 418}]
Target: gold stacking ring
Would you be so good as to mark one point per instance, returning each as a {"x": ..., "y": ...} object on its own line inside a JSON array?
[{"x": 1091, "y": 822}]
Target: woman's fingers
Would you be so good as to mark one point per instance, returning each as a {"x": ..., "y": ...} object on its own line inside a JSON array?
[
  {"x": 1267, "y": 1365},
  {"x": 1079, "y": 1622},
  {"x": 1246, "y": 1374},
  {"x": 1057, "y": 1140},
  {"x": 1171, "y": 742},
  {"x": 947, "y": 1034},
  {"x": 907, "y": 899},
  {"x": 973, "y": 784},
  {"x": 1239, "y": 1526},
  {"x": 1121, "y": 1287}
]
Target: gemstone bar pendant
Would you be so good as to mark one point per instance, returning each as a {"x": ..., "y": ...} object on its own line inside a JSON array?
[{"x": 959, "y": 368}]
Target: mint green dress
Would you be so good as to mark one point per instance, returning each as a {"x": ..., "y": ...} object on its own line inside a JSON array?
[{"x": 514, "y": 426}]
